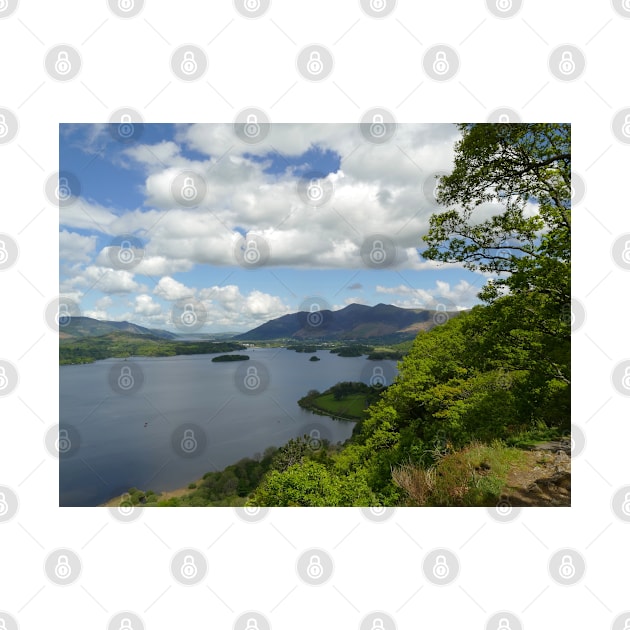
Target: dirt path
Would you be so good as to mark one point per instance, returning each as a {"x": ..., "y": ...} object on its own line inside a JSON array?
[{"x": 544, "y": 479}]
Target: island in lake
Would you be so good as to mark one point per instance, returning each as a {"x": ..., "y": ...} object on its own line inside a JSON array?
[{"x": 230, "y": 357}]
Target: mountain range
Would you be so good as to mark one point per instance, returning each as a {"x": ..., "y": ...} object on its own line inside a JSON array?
[
  {"x": 355, "y": 321},
  {"x": 79, "y": 327}
]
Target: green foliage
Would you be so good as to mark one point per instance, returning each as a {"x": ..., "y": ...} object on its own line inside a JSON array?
[
  {"x": 473, "y": 476},
  {"x": 226, "y": 358},
  {"x": 313, "y": 484},
  {"x": 346, "y": 400},
  {"x": 123, "y": 345},
  {"x": 355, "y": 350}
]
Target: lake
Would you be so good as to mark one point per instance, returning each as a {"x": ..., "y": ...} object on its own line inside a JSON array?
[{"x": 160, "y": 423}]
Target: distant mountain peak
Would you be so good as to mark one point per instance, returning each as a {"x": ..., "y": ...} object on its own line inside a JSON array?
[
  {"x": 355, "y": 321},
  {"x": 80, "y": 326}
]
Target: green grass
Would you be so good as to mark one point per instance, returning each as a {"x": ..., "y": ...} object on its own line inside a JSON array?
[
  {"x": 473, "y": 476},
  {"x": 531, "y": 437},
  {"x": 351, "y": 406}
]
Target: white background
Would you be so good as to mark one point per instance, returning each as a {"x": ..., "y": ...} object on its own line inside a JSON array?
[{"x": 378, "y": 62}]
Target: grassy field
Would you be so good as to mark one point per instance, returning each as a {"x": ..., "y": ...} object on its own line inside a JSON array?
[{"x": 350, "y": 407}]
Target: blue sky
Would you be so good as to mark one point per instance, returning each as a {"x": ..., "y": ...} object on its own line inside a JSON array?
[{"x": 311, "y": 251}]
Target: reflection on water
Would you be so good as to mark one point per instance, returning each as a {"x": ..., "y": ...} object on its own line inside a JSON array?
[{"x": 145, "y": 437}]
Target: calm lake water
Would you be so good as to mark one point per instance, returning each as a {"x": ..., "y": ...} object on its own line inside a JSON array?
[{"x": 164, "y": 422}]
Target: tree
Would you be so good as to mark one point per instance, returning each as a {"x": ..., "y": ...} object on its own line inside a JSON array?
[
  {"x": 523, "y": 173},
  {"x": 509, "y": 213}
]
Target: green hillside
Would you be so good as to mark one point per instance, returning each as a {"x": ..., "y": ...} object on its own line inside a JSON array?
[{"x": 123, "y": 345}]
